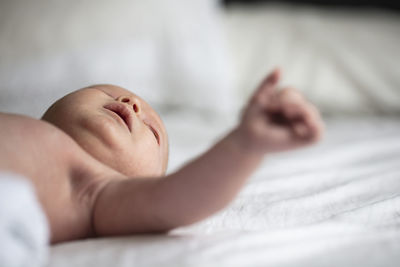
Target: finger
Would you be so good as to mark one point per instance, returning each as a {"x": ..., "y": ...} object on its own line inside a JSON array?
[
  {"x": 312, "y": 119},
  {"x": 306, "y": 121},
  {"x": 301, "y": 130},
  {"x": 290, "y": 94},
  {"x": 292, "y": 104},
  {"x": 299, "y": 113},
  {"x": 315, "y": 123},
  {"x": 267, "y": 87},
  {"x": 285, "y": 139}
]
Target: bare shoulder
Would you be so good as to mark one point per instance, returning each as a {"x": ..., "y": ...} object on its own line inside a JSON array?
[
  {"x": 15, "y": 126},
  {"x": 61, "y": 172},
  {"x": 23, "y": 137},
  {"x": 9, "y": 119}
]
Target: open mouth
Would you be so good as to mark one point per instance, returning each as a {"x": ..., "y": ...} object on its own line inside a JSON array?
[{"x": 122, "y": 112}]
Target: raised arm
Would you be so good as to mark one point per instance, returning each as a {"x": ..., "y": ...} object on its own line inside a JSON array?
[{"x": 273, "y": 121}]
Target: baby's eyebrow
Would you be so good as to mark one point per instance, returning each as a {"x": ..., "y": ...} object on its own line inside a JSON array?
[
  {"x": 96, "y": 87},
  {"x": 105, "y": 88}
]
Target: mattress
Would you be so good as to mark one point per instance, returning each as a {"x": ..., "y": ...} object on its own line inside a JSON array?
[{"x": 333, "y": 204}]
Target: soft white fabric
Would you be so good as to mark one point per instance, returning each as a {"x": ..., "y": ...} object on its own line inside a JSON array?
[
  {"x": 170, "y": 52},
  {"x": 24, "y": 234},
  {"x": 334, "y": 204},
  {"x": 345, "y": 61}
]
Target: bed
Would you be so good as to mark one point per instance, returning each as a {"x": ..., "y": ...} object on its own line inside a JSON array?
[{"x": 333, "y": 204}]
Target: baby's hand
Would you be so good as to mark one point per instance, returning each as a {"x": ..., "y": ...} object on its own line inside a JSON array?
[{"x": 278, "y": 120}]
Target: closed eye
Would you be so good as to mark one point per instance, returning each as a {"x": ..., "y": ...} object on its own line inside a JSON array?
[{"x": 155, "y": 133}]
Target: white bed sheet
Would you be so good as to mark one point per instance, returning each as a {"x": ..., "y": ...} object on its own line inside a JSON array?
[{"x": 334, "y": 204}]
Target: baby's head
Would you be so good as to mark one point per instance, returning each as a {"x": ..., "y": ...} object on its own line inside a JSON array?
[{"x": 116, "y": 127}]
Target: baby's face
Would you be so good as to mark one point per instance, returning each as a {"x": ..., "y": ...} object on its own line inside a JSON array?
[{"x": 116, "y": 127}]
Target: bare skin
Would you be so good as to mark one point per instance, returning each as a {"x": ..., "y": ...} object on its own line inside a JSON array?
[{"x": 98, "y": 157}]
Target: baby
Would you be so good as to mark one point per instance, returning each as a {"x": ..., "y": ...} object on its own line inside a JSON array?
[{"x": 98, "y": 157}]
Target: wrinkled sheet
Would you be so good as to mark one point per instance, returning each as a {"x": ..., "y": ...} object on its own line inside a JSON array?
[{"x": 334, "y": 204}]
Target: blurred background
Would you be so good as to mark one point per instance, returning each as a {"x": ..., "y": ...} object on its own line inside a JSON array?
[{"x": 201, "y": 55}]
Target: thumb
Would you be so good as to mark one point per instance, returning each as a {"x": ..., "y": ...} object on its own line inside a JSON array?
[{"x": 267, "y": 86}]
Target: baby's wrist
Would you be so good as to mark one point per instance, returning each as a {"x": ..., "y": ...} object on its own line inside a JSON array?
[{"x": 241, "y": 143}]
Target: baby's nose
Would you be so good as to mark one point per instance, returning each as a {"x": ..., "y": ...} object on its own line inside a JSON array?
[{"x": 132, "y": 101}]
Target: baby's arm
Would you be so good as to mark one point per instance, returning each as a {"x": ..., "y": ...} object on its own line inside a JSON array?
[{"x": 273, "y": 121}]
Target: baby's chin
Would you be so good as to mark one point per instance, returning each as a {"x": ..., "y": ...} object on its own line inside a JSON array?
[{"x": 132, "y": 166}]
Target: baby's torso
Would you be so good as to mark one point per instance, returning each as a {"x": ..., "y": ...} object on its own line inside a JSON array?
[{"x": 58, "y": 168}]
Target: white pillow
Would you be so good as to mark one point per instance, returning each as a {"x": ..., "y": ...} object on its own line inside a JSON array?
[
  {"x": 170, "y": 52},
  {"x": 346, "y": 62}
]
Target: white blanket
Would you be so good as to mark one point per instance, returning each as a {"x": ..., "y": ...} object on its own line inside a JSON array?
[
  {"x": 334, "y": 204},
  {"x": 24, "y": 233}
]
